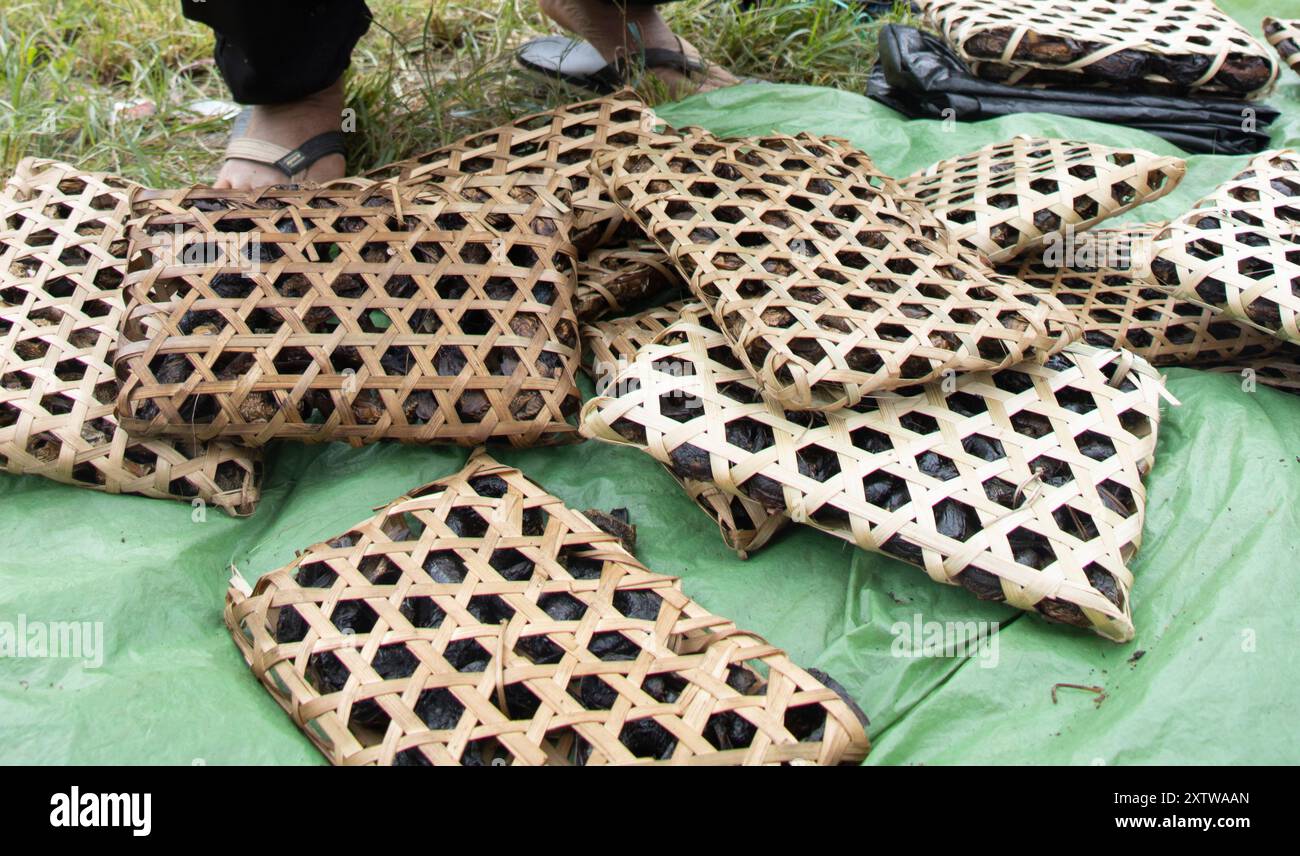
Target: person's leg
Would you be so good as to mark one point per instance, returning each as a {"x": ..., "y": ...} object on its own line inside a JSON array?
[
  {"x": 286, "y": 57},
  {"x": 617, "y": 28}
]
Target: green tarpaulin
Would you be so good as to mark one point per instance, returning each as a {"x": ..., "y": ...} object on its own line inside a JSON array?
[{"x": 1211, "y": 677}]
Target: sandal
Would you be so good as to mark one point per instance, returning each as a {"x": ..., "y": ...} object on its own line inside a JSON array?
[
  {"x": 292, "y": 162},
  {"x": 576, "y": 62}
]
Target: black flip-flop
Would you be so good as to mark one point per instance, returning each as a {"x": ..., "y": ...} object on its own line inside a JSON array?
[
  {"x": 291, "y": 162},
  {"x": 577, "y": 62}
]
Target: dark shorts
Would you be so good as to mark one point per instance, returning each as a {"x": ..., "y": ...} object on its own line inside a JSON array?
[{"x": 273, "y": 51}]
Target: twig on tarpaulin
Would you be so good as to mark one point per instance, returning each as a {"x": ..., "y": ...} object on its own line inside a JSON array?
[{"x": 1101, "y": 694}]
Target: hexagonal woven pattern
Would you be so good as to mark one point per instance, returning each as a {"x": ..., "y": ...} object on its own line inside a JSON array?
[
  {"x": 562, "y": 139},
  {"x": 1238, "y": 250},
  {"x": 1167, "y": 46},
  {"x": 354, "y": 312},
  {"x": 63, "y": 250},
  {"x": 478, "y": 621},
  {"x": 829, "y": 284},
  {"x": 1118, "y": 310},
  {"x": 1023, "y": 485},
  {"x": 1284, "y": 35},
  {"x": 1009, "y": 198},
  {"x": 615, "y": 280},
  {"x": 611, "y": 347},
  {"x": 1279, "y": 370}
]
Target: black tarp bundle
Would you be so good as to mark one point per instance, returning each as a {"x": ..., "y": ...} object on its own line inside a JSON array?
[{"x": 921, "y": 77}]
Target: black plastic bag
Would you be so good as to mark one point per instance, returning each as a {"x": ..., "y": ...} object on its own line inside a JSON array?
[{"x": 920, "y": 76}]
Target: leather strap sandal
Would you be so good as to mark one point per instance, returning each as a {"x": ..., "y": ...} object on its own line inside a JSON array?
[
  {"x": 292, "y": 162},
  {"x": 575, "y": 61}
]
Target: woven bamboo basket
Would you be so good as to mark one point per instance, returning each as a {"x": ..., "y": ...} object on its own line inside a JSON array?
[
  {"x": 1119, "y": 311},
  {"x": 1279, "y": 370},
  {"x": 1284, "y": 35},
  {"x": 479, "y": 621},
  {"x": 1023, "y": 485},
  {"x": 63, "y": 250},
  {"x": 1165, "y": 46},
  {"x": 612, "y": 347},
  {"x": 616, "y": 280},
  {"x": 829, "y": 284},
  {"x": 1238, "y": 250},
  {"x": 562, "y": 139},
  {"x": 354, "y": 312},
  {"x": 1014, "y": 197}
]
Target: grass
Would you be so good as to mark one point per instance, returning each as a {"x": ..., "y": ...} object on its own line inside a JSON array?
[{"x": 428, "y": 72}]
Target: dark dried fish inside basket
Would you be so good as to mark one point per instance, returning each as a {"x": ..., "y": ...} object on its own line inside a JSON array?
[
  {"x": 611, "y": 347},
  {"x": 355, "y": 312},
  {"x": 478, "y": 621},
  {"x": 63, "y": 255},
  {"x": 624, "y": 278},
  {"x": 1284, "y": 35},
  {"x": 562, "y": 139},
  {"x": 828, "y": 282},
  {"x": 1022, "y": 485},
  {"x": 1238, "y": 250},
  {"x": 1177, "y": 47},
  {"x": 1028, "y": 193},
  {"x": 1279, "y": 370},
  {"x": 1118, "y": 309}
]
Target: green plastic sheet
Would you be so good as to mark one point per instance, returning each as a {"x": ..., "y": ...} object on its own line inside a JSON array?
[{"x": 1212, "y": 676}]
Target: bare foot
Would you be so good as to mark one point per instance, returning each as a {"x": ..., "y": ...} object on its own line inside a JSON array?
[
  {"x": 619, "y": 32},
  {"x": 288, "y": 125}
]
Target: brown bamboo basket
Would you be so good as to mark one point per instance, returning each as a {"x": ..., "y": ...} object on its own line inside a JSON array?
[
  {"x": 477, "y": 620},
  {"x": 1279, "y": 370},
  {"x": 562, "y": 139},
  {"x": 1164, "y": 46},
  {"x": 829, "y": 284},
  {"x": 1023, "y": 485},
  {"x": 1011, "y": 198},
  {"x": 1284, "y": 34},
  {"x": 63, "y": 250},
  {"x": 619, "y": 279},
  {"x": 371, "y": 312},
  {"x": 1120, "y": 311},
  {"x": 611, "y": 347},
  {"x": 1238, "y": 250}
]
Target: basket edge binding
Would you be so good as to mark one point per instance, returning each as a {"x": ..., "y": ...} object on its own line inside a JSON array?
[{"x": 849, "y": 741}]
